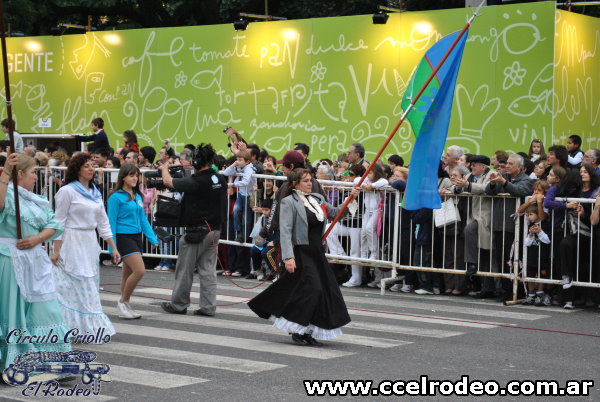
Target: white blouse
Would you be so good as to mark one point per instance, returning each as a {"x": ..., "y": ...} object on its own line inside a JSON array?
[{"x": 80, "y": 217}]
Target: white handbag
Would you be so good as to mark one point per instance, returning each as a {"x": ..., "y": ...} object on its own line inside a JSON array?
[{"x": 447, "y": 215}]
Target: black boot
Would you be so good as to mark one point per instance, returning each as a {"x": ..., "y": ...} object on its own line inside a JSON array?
[
  {"x": 310, "y": 340},
  {"x": 298, "y": 339}
]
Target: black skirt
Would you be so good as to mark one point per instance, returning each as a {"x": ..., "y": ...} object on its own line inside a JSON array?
[
  {"x": 309, "y": 300},
  {"x": 128, "y": 244}
]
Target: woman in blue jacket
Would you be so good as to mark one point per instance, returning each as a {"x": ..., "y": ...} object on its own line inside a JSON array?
[{"x": 128, "y": 221}]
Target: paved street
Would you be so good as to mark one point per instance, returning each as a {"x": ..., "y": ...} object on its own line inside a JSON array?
[{"x": 236, "y": 356}]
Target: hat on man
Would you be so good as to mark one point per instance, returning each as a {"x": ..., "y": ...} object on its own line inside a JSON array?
[
  {"x": 480, "y": 158},
  {"x": 294, "y": 157}
]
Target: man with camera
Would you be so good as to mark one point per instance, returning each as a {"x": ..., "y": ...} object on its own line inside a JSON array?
[{"x": 203, "y": 210}]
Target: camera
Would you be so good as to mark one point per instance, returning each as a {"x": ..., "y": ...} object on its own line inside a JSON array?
[
  {"x": 233, "y": 136},
  {"x": 154, "y": 177}
]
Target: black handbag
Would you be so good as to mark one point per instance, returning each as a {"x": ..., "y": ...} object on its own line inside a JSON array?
[{"x": 168, "y": 211}]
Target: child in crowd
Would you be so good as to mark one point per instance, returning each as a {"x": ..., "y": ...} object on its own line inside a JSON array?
[
  {"x": 539, "y": 169},
  {"x": 538, "y": 255},
  {"x": 260, "y": 267},
  {"x": 245, "y": 186},
  {"x": 575, "y": 152},
  {"x": 538, "y": 242},
  {"x": 536, "y": 151},
  {"x": 373, "y": 208}
]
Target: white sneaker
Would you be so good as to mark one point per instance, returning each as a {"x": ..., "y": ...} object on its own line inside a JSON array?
[
  {"x": 133, "y": 313},
  {"x": 436, "y": 291},
  {"x": 124, "y": 311},
  {"x": 107, "y": 263},
  {"x": 350, "y": 284},
  {"x": 158, "y": 268},
  {"x": 569, "y": 305},
  {"x": 396, "y": 288},
  {"x": 406, "y": 288},
  {"x": 373, "y": 284},
  {"x": 423, "y": 292}
]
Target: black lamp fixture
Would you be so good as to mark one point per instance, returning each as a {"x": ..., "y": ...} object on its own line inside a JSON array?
[
  {"x": 381, "y": 16},
  {"x": 242, "y": 23}
]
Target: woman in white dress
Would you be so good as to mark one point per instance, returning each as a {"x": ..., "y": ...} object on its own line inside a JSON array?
[{"x": 80, "y": 210}]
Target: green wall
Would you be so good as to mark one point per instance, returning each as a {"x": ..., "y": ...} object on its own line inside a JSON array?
[
  {"x": 577, "y": 78},
  {"x": 328, "y": 82}
]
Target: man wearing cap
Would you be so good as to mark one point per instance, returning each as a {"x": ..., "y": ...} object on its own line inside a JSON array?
[{"x": 478, "y": 231}]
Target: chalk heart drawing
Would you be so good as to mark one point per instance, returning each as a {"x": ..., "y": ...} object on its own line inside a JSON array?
[
  {"x": 469, "y": 145},
  {"x": 539, "y": 96},
  {"x": 513, "y": 75},
  {"x": 479, "y": 109}
]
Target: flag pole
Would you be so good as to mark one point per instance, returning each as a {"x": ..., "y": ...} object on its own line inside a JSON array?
[
  {"x": 404, "y": 115},
  {"x": 11, "y": 128}
]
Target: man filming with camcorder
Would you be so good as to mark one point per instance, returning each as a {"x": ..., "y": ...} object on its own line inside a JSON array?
[{"x": 203, "y": 211}]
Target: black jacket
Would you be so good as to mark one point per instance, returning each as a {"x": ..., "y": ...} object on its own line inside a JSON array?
[
  {"x": 100, "y": 140},
  {"x": 204, "y": 199}
]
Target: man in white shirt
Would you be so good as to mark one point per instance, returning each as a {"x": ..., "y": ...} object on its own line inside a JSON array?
[{"x": 6, "y": 125}]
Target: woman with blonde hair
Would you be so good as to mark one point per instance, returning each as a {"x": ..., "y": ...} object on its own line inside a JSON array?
[{"x": 27, "y": 289}]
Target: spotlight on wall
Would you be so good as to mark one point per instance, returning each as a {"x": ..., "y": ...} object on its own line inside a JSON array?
[
  {"x": 240, "y": 24},
  {"x": 381, "y": 16}
]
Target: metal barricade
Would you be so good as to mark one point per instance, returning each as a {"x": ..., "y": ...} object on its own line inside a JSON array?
[
  {"x": 389, "y": 240},
  {"x": 569, "y": 250}
]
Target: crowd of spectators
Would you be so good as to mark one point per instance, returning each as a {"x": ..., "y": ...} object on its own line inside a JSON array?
[{"x": 558, "y": 239}]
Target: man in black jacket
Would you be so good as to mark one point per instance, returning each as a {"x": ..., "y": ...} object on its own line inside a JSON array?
[{"x": 203, "y": 211}]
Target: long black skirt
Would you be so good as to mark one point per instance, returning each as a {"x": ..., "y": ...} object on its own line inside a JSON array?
[{"x": 307, "y": 301}]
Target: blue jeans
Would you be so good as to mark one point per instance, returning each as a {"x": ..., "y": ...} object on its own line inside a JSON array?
[
  {"x": 241, "y": 209},
  {"x": 166, "y": 248}
]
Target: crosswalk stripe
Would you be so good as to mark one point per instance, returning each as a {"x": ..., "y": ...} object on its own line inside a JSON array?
[
  {"x": 149, "y": 378},
  {"x": 363, "y": 293},
  {"x": 184, "y": 357},
  {"x": 362, "y": 325},
  {"x": 399, "y": 329},
  {"x": 261, "y": 328},
  {"x": 391, "y": 316},
  {"x": 355, "y": 312},
  {"x": 230, "y": 342},
  {"x": 8, "y": 393},
  {"x": 397, "y": 302},
  {"x": 446, "y": 308}
]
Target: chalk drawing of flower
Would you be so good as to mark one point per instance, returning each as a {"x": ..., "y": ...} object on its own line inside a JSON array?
[
  {"x": 318, "y": 72},
  {"x": 180, "y": 79},
  {"x": 513, "y": 75}
]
